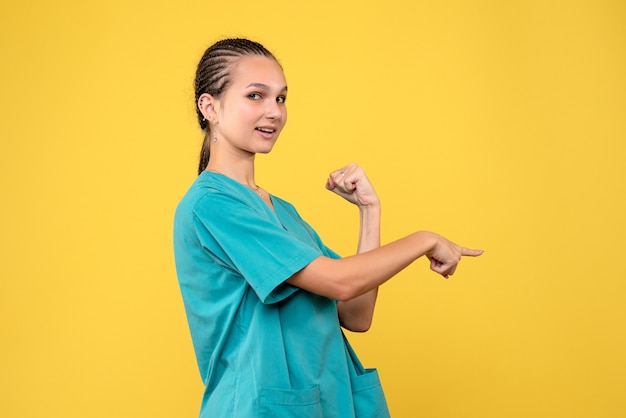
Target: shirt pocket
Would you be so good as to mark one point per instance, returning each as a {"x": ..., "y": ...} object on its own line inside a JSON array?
[
  {"x": 367, "y": 394},
  {"x": 290, "y": 403}
]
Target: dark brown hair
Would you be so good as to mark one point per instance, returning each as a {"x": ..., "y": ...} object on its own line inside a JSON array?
[{"x": 213, "y": 76}]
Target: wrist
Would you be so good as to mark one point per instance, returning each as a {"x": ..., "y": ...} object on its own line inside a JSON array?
[
  {"x": 427, "y": 241},
  {"x": 370, "y": 214},
  {"x": 373, "y": 207}
]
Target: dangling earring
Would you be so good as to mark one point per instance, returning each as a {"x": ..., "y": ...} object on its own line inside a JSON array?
[{"x": 214, "y": 137}]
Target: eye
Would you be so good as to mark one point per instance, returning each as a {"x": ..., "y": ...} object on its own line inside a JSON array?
[
  {"x": 281, "y": 99},
  {"x": 254, "y": 96}
]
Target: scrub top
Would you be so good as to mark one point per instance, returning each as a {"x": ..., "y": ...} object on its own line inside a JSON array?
[{"x": 264, "y": 348}]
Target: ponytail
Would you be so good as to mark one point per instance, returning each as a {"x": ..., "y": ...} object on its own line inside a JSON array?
[{"x": 205, "y": 153}]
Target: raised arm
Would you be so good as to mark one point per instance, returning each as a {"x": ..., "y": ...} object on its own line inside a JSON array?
[
  {"x": 354, "y": 280},
  {"x": 351, "y": 183}
]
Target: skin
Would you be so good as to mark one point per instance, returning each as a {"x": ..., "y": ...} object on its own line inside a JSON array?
[
  {"x": 255, "y": 102},
  {"x": 356, "y": 314}
]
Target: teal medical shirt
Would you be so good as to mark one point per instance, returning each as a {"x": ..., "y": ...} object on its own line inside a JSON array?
[{"x": 264, "y": 348}]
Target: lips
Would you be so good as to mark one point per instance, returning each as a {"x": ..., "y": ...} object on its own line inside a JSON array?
[{"x": 266, "y": 130}]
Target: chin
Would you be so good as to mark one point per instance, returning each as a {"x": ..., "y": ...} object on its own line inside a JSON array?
[{"x": 266, "y": 149}]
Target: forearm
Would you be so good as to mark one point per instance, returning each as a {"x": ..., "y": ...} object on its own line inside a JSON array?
[
  {"x": 364, "y": 272},
  {"x": 349, "y": 277},
  {"x": 369, "y": 231},
  {"x": 357, "y": 313}
]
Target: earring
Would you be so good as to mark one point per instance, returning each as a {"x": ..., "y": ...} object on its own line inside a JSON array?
[{"x": 214, "y": 137}]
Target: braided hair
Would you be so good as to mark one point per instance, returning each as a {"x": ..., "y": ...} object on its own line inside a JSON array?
[{"x": 213, "y": 77}]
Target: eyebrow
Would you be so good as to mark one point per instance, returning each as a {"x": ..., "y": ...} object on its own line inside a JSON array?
[{"x": 263, "y": 86}]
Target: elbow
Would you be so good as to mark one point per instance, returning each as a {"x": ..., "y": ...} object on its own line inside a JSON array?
[
  {"x": 362, "y": 326},
  {"x": 347, "y": 286},
  {"x": 356, "y": 321},
  {"x": 346, "y": 291}
]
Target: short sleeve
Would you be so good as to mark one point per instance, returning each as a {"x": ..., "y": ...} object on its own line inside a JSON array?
[
  {"x": 250, "y": 241},
  {"x": 291, "y": 211}
]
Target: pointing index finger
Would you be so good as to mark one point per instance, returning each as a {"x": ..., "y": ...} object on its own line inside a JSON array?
[{"x": 471, "y": 253}]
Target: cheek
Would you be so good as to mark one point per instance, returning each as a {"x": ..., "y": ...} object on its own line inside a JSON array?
[{"x": 250, "y": 111}]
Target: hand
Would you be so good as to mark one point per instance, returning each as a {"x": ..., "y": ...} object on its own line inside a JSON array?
[
  {"x": 446, "y": 255},
  {"x": 351, "y": 183}
]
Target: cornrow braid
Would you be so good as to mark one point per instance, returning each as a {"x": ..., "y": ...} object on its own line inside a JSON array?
[{"x": 213, "y": 77}]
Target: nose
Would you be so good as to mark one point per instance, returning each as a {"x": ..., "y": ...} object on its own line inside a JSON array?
[{"x": 273, "y": 110}]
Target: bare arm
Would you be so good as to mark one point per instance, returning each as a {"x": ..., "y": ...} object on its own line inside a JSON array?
[
  {"x": 351, "y": 183},
  {"x": 353, "y": 276},
  {"x": 357, "y": 314},
  {"x": 354, "y": 280}
]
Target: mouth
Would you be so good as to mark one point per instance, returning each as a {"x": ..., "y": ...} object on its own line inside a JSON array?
[{"x": 266, "y": 130}]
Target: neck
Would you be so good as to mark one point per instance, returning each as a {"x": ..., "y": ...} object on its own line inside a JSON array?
[{"x": 242, "y": 171}]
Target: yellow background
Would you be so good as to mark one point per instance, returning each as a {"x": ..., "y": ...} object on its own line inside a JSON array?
[{"x": 500, "y": 125}]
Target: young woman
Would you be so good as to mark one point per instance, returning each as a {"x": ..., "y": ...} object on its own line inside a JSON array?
[{"x": 265, "y": 298}]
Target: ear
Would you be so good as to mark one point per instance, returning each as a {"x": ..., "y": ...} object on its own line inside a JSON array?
[{"x": 208, "y": 107}]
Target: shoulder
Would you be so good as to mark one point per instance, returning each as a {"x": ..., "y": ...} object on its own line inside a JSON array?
[
  {"x": 201, "y": 197},
  {"x": 211, "y": 189},
  {"x": 200, "y": 188}
]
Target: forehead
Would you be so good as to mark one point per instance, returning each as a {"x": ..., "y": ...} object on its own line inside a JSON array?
[{"x": 257, "y": 69}]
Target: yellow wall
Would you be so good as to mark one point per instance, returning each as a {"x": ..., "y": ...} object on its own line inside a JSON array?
[{"x": 498, "y": 124}]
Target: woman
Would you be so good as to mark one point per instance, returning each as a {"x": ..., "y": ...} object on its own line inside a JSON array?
[{"x": 265, "y": 298}]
